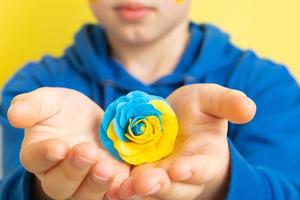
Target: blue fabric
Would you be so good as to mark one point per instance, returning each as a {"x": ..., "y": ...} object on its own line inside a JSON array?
[{"x": 265, "y": 159}]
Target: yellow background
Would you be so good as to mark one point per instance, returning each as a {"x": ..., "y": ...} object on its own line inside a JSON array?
[{"x": 31, "y": 28}]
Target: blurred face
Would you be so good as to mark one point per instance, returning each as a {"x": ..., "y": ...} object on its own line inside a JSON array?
[{"x": 140, "y": 21}]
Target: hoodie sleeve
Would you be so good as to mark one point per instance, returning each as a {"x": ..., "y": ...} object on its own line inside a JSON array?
[
  {"x": 265, "y": 161},
  {"x": 15, "y": 181}
]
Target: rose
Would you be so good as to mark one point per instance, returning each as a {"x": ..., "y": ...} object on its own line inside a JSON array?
[{"x": 139, "y": 128}]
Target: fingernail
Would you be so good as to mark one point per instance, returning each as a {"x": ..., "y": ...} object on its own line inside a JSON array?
[
  {"x": 81, "y": 162},
  {"x": 154, "y": 190},
  {"x": 186, "y": 177},
  {"x": 99, "y": 180}
]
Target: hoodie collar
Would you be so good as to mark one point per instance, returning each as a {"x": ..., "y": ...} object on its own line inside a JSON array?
[{"x": 207, "y": 50}]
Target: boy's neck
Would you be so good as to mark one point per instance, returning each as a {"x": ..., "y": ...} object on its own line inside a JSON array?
[{"x": 149, "y": 62}]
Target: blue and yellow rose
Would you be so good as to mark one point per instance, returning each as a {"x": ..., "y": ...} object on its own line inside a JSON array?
[{"x": 139, "y": 128}]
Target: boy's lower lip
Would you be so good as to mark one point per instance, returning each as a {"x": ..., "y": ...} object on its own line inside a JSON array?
[{"x": 133, "y": 14}]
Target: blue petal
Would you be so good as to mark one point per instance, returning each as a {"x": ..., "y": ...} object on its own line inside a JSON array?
[
  {"x": 108, "y": 144},
  {"x": 144, "y": 95},
  {"x": 111, "y": 111},
  {"x": 119, "y": 131},
  {"x": 142, "y": 110},
  {"x": 108, "y": 116}
]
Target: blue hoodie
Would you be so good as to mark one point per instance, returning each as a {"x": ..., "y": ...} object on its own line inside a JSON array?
[{"x": 265, "y": 161}]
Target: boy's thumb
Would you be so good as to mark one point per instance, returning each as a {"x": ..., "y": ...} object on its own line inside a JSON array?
[{"x": 28, "y": 109}]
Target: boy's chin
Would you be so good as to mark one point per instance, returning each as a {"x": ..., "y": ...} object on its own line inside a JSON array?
[{"x": 138, "y": 36}]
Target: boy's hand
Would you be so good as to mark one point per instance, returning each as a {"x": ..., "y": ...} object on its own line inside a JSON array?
[
  {"x": 61, "y": 145},
  {"x": 199, "y": 165}
]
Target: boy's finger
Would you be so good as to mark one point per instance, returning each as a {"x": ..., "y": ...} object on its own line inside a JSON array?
[
  {"x": 28, "y": 109},
  {"x": 217, "y": 101},
  {"x": 96, "y": 183},
  {"x": 155, "y": 182},
  {"x": 148, "y": 181},
  {"x": 100, "y": 178},
  {"x": 119, "y": 178},
  {"x": 197, "y": 169},
  {"x": 226, "y": 103},
  {"x": 64, "y": 179},
  {"x": 40, "y": 156}
]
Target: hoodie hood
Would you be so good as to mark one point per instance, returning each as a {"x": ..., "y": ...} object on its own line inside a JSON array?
[{"x": 208, "y": 50}]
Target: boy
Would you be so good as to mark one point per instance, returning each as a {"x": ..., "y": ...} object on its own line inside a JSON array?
[{"x": 151, "y": 46}]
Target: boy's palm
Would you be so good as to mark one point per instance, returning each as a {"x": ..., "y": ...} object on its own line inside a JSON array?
[
  {"x": 199, "y": 164},
  {"x": 61, "y": 144},
  {"x": 59, "y": 114}
]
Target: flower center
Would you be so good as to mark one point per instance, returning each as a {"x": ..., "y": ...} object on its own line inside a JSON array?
[
  {"x": 138, "y": 129},
  {"x": 143, "y": 130},
  {"x": 137, "y": 126}
]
